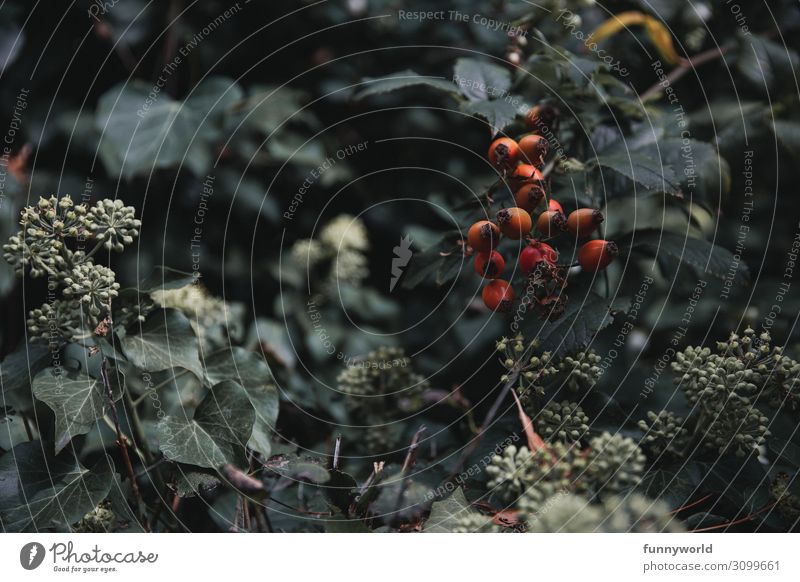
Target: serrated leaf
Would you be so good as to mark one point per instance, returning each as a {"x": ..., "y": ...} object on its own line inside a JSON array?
[
  {"x": 649, "y": 172},
  {"x": 702, "y": 255},
  {"x": 403, "y": 80},
  {"x": 479, "y": 80},
  {"x": 77, "y": 400},
  {"x": 499, "y": 113},
  {"x": 763, "y": 62},
  {"x": 39, "y": 491},
  {"x": 250, "y": 371},
  {"x": 216, "y": 435},
  {"x": 165, "y": 340},
  {"x": 577, "y": 326}
]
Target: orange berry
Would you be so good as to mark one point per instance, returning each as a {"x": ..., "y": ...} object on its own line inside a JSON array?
[
  {"x": 514, "y": 222},
  {"x": 498, "y": 295},
  {"x": 529, "y": 196},
  {"x": 596, "y": 255},
  {"x": 551, "y": 223},
  {"x": 534, "y": 149},
  {"x": 553, "y": 205},
  {"x": 489, "y": 265},
  {"x": 483, "y": 236},
  {"x": 583, "y": 222},
  {"x": 504, "y": 153}
]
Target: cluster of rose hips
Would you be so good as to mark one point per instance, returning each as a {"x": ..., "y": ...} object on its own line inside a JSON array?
[{"x": 521, "y": 163}]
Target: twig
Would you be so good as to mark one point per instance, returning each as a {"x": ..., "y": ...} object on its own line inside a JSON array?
[
  {"x": 738, "y": 521},
  {"x": 408, "y": 464},
  {"x": 121, "y": 442},
  {"x": 686, "y": 66}
]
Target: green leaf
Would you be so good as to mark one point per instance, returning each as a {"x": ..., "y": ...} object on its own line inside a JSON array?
[
  {"x": 140, "y": 132},
  {"x": 76, "y": 399},
  {"x": 576, "y": 328},
  {"x": 764, "y": 62},
  {"x": 39, "y": 491},
  {"x": 17, "y": 371},
  {"x": 445, "y": 513},
  {"x": 499, "y": 113},
  {"x": 788, "y": 134},
  {"x": 217, "y": 434},
  {"x": 166, "y": 340},
  {"x": 479, "y": 80},
  {"x": 402, "y": 80},
  {"x": 163, "y": 278},
  {"x": 699, "y": 254},
  {"x": 647, "y": 171},
  {"x": 250, "y": 371}
]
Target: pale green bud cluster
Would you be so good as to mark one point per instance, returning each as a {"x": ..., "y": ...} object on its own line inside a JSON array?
[
  {"x": 564, "y": 421},
  {"x": 581, "y": 371},
  {"x": 41, "y": 249},
  {"x": 569, "y": 513},
  {"x": 101, "y": 519},
  {"x": 664, "y": 433},
  {"x": 615, "y": 463}
]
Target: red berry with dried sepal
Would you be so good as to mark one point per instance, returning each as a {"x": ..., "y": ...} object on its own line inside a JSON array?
[
  {"x": 554, "y": 205},
  {"x": 529, "y": 196},
  {"x": 584, "y": 221},
  {"x": 498, "y": 295},
  {"x": 483, "y": 236},
  {"x": 489, "y": 265},
  {"x": 504, "y": 153},
  {"x": 534, "y": 149},
  {"x": 535, "y": 253},
  {"x": 597, "y": 254},
  {"x": 514, "y": 222}
]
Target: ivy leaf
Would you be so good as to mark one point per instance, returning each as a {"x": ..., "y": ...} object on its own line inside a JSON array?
[
  {"x": 166, "y": 340},
  {"x": 444, "y": 513},
  {"x": 649, "y": 172},
  {"x": 402, "y": 80},
  {"x": 251, "y": 372},
  {"x": 163, "y": 278},
  {"x": 479, "y": 81},
  {"x": 499, "y": 113},
  {"x": 582, "y": 319},
  {"x": 39, "y": 491},
  {"x": 17, "y": 371},
  {"x": 701, "y": 255},
  {"x": 76, "y": 399},
  {"x": 217, "y": 434}
]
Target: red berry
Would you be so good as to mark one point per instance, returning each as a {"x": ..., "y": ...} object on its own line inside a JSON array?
[
  {"x": 514, "y": 222},
  {"x": 534, "y": 149},
  {"x": 535, "y": 253},
  {"x": 489, "y": 265},
  {"x": 541, "y": 117},
  {"x": 583, "y": 222},
  {"x": 483, "y": 236},
  {"x": 498, "y": 295},
  {"x": 529, "y": 196},
  {"x": 551, "y": 223},
  {"x": 553, "y": 205},
  {"x": 596, "y": 255},
  {"x": 525, "y": 173},
  {"x": 504, "y": 153}
]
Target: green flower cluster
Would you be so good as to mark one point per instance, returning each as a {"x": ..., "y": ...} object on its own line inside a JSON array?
[
  {"x": 99, "y": 520},
  {"x": 787, "y": 503},
  {"x": 569, "y": 513},
  {"x": 731, "y": 386},
  {"x": 610, "y": 465},
  {"x": 473, "y": 522},
  {"x": 564, "y": 421},
  {"x": 664, "y": 433},
  {"x": 537, "y": 371},
  {"x": 40, "y": 248},
  {"x": 380, "y": 382}
]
